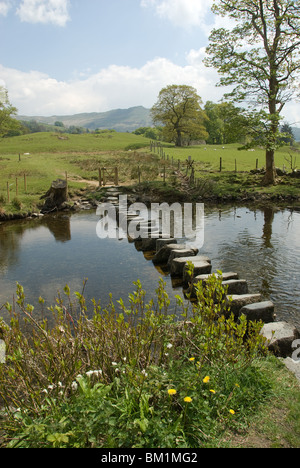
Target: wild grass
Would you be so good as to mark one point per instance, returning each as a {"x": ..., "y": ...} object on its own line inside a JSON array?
[{"x": 134, "y": 377}]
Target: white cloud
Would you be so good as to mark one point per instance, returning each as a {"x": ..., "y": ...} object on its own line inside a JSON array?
[
  {"x": 183, "y": 13},
  {"x": 44, "y": 11},
  {"x": 4, "y": 7},
  {"x": 35, "y": 93}
]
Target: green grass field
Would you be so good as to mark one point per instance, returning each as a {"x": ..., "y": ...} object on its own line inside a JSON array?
[
  {"x": 208, "y": 157},
  {"x": 44, "y": 157}
]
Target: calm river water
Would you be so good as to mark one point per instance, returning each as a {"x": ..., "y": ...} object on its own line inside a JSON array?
[{"x": 262, "y": 246}]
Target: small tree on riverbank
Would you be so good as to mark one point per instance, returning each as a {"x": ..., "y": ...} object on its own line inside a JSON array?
[{"x": 260, "y": 56}]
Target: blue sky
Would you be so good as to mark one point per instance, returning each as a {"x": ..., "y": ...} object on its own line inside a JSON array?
[{"x": 70, "y": 56}]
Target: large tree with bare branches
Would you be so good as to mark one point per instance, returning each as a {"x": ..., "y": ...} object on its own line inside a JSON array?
[{"x": 260, "y": 57}]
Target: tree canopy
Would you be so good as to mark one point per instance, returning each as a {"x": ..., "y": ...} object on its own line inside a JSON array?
[
  {"x": 8, "y": 125},
  {"x": 178, "y": 109},
  {"x": 260, "y": 57}
]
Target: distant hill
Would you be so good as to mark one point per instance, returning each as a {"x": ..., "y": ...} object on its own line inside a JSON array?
[{"x": 121, "y": 120}]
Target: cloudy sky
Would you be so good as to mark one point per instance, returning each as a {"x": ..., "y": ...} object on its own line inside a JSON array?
[{"x": 71, "y": 56}]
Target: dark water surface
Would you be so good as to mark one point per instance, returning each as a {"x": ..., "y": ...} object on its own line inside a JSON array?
[{"x": 262, "y": 246}]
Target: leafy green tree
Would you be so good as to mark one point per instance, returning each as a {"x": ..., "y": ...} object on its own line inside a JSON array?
[
  {"x": 287, "y": 134},
  {"x": 260, "y": 56},
  {"x": 8, "y": 125},
  {"x": 226, "y": 123},
  {"x": 149, "y": 132},
  {"x": 178, "y": 110}
]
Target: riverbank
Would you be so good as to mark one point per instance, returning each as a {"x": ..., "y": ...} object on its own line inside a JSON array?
[
  {"x": 29, "y": 165},
  {"x": 219, "y": 191}
]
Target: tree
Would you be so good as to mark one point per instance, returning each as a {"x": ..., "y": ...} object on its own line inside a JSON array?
[
  {"x": 260, "y": 56},
  {"x": 287, "y": 136},
  {"x": 149, "y": 132},
  {"x": 8, "y": 125},
  {"x": 226, "y": 123},
  {"x": 178, "y": 109}
]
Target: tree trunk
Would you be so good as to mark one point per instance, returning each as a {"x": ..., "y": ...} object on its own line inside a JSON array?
[
  {"x": 179, "y": 139},
  {"x": 56, "y": 196},
  {"x": 270, "y": 177}
]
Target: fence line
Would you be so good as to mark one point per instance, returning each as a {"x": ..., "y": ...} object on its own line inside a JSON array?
[{"x": 157, "y": 147}]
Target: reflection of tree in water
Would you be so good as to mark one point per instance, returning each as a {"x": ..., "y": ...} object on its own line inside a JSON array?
[
  {"x": 11, "y": 234},
  {"x": 9, "y": 244},
  {"x": 253, "y": 257},
  {"x": 267, "y": 229}
]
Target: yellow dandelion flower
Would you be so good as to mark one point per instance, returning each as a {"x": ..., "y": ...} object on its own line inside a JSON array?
[
  {"x": 232, "y": 411},
  {"x": 172, "y": 391},
  {"x": 192, "y": 359},
  {"x": 206, "y": 379},
  {"x": 188, "y": 399},
  {"x": 212, "y": 391}
]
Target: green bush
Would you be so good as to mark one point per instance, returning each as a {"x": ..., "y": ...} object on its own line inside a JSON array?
[{"x": 139, "y": 376}]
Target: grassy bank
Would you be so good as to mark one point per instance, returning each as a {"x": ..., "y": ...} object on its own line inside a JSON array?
[
  {"x": 44, "y": 157},
  {"x": 137, "y": 377}
]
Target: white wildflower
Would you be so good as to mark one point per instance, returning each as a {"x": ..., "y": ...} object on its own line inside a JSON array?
[{"x": 74, "y": 386}]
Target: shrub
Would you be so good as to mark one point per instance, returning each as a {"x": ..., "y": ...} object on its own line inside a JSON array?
[{"x": 141, "y": 376}]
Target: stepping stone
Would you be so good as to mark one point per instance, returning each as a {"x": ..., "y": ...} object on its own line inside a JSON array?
[
  {"x": 264, "y": 311},
  {"x": 239, "y": 301},
  {"x": 176, "y": 253},
  {"x": 280, "y": 337},
  {"x": 162, "y": 256},
  {"x": 236, "y": 286},
  {"x": 200, "y": 268},
  {"x": 225, "y": 276},
  {"x": 179, "y": 266},
  {"x": 203, "y": 278},
  {"x": 162, "y": 242},
  {"x": 146, "y": 245}
]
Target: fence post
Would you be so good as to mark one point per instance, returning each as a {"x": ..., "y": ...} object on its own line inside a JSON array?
[
  {"x": 192, "y": 178},
  {"x": 103, "y": 176},
  {"x": 220, "y": 164},
  {"x": 67, "y": 184},
  {"x": 99, "y": 176},
  {"x": 116, "y": 176}
]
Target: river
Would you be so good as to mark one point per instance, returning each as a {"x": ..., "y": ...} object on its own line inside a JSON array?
[{"x": 43, "y": 255}]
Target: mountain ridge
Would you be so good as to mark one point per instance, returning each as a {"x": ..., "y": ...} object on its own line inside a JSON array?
[{"x": 121, "y": 120}]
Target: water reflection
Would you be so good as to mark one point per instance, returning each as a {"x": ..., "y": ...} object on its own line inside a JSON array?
[{"x": 261, "y": 245}]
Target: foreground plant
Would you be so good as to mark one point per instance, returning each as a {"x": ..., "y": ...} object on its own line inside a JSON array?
[{"x": 129, "y": 375}]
